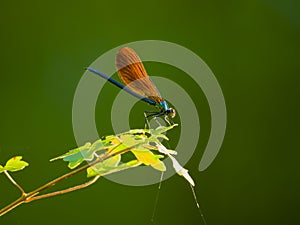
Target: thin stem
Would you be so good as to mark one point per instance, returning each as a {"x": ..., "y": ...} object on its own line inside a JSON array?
[
  {"x": 14, "y": 182},
  {"x": 55, "y": 181},
  {"x": 27, "y": 196},
  {"x": 157, "y": 198},
  {"x": 198, "y": 205},
  {"x": 77, "y": 187},
  {"x": 12, "y": 205}
]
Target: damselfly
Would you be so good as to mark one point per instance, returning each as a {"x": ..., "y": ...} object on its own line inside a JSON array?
[{"x": 137, "y": 82}]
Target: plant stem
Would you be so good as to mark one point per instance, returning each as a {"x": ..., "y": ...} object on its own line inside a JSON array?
[
  {"x": 14, "y": 182},
  {"x": 28, "y": 197},
  {"x": 77, "y": 187}
]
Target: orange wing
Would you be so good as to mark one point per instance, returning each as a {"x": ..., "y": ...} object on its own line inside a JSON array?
[{"x": 133, "y": 74}]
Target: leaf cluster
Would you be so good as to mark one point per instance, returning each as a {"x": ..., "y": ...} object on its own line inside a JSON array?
[{"x": 105, "y": 155}]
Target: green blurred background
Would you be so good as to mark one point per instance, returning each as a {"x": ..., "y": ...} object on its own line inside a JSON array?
[{"x": 251, "y": 46}]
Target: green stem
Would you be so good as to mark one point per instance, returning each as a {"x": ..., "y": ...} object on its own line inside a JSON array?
[
  {"x": 14, "y": 182},
  {"x": 27, "y": 196},
  {"x": 63, "y": 191}
]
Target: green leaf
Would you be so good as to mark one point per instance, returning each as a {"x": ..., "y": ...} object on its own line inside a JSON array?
[
  {"x": 128, "y": 141},
  {"x": 108, "y": 142},
  {"x": 15, "y": 164},
  {"x": 158, "y": 133},
  {"x": 103, "y": 167},
  {"x": 76, "y": 156},
  {"x": 110, "y": 165},
  {"x": 72, "y": 152},
  {"x": 150, "y": 147},
  {"x": 159, "y": 166},
  {"x": 138, "y": 131},
  {"x": 87, "y": 152},
  {"x": 148, "y": 158},
  {"x": 162, "y": 129},
  {"x": 1, "y": 169}
]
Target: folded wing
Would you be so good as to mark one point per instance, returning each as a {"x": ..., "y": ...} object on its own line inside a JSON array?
[{"x": 133, "y": 74}]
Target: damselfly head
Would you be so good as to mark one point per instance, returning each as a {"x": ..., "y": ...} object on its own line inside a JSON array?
[{"x": 172, "y": 112}]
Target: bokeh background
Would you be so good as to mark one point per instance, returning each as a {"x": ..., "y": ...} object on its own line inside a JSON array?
[{"x": 251, "y": 46}]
